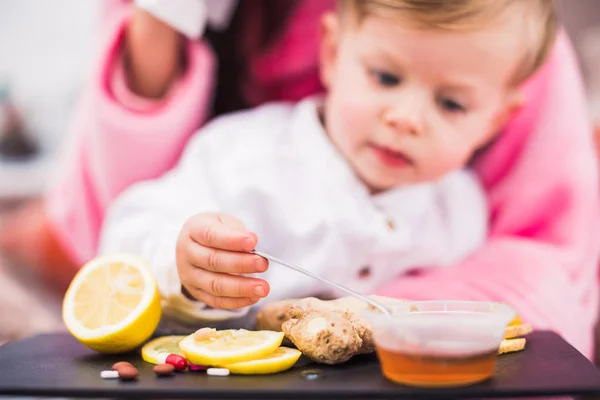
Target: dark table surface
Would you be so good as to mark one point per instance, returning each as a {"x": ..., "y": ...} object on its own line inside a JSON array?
[{"x": 56, "y": 365}]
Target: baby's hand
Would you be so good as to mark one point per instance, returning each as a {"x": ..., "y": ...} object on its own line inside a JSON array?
[{"x": 212, "y": 250}]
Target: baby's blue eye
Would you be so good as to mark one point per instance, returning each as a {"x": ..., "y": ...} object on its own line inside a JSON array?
[
  {"x": 385, "y": 79},
  {"x": 451, "y": 105}
]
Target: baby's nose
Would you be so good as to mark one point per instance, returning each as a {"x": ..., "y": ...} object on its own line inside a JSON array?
[
  {"x": 406, "y": 115},
  {"x": 404, "y": 121}
]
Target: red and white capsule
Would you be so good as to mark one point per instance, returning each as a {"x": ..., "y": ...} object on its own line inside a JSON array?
[{"x": 179, "y": 362}]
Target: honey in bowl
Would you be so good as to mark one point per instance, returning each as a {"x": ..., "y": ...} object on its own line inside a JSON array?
[
  {"x": 432, "y": 371},
  {"x": 440, "y": 344}
]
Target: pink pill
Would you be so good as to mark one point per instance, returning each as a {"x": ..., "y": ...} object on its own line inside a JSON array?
[{"x": 194, "y": 367}]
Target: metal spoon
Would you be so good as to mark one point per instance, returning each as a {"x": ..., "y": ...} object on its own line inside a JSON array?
[{"x": 351, "y": 292}]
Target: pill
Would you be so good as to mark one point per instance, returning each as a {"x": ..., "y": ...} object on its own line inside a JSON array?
[
  {"x": 128, "y": 373},
  {"x": 217, "y": 371},
  {"x": 109, "y": 374},
  {"x": 118, "y": 365},
  {"x": 194, "y": 367},
  {"x": 163, "y": 369},
  {"x": 179, "y": 362}
]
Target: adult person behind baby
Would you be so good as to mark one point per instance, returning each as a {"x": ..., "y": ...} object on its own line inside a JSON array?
[
  {"x": 370, "y": 185},
  {"x": 166, "y": 67}
]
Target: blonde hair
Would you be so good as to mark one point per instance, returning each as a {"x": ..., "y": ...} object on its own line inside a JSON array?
[{"x": 540, "y": 16}]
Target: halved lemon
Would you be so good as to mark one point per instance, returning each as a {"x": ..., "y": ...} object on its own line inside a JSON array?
[
  {"x": 229, "y": 346},
  {"x": 280, "y": 360},
  {"x": 152, "y": 350},
  {"x": 113, "y": 304}
]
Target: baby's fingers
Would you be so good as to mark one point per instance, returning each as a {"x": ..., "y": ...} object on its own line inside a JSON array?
[
  {"x": 212, "y": 230},
  {"x": 229, "y": 262},
  {"x": 225, "y": 285}
]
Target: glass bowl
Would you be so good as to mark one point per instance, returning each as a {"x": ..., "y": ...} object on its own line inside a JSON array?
[{"x": 439, "y": 343}]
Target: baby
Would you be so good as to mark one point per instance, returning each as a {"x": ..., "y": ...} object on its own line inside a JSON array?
[{"x": 364, "y": 184}]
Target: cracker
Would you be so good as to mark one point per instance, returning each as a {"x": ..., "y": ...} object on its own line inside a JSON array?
[
  {"x": 514, "y": 331},
  {"x": 511, "y": 345}
]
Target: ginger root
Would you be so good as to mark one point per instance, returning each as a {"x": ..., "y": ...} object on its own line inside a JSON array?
[{"x": 326, "y": 331}]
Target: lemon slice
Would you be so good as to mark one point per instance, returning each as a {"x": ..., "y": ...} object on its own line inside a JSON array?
[
  {"x": 280, "y": 360},
  {"x": 217, "y": 348},
  {"x": 112, "y": 305},
  {"x": 152, "y": 350}
]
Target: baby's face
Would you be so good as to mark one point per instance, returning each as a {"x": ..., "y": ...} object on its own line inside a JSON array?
[{"x": 408, "y": 105}]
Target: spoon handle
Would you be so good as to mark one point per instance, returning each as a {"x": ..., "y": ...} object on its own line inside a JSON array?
[{"x": 351, "y": 292}]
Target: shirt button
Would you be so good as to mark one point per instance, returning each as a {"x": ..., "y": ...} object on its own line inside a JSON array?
[
  {"x": 391, "y": 225},
  {"x": 364, "y": 272}
]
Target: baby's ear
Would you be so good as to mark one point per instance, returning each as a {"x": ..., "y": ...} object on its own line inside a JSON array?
[
  {"x": 514, "y": 102},
  {"x": 329, "y": 32}
]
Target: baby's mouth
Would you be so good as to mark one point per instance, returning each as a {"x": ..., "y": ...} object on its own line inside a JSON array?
[{"x": 391, "y": 157}]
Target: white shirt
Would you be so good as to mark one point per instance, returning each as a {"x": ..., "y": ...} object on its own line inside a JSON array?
[
  {"x": 275, "y": 169},
  {"x": 191, "y": 17}
]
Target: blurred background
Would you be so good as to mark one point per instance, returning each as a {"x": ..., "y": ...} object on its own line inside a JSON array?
[
  {"x": 43, "y": 63},
  {"x": 46, "y": 51}
]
